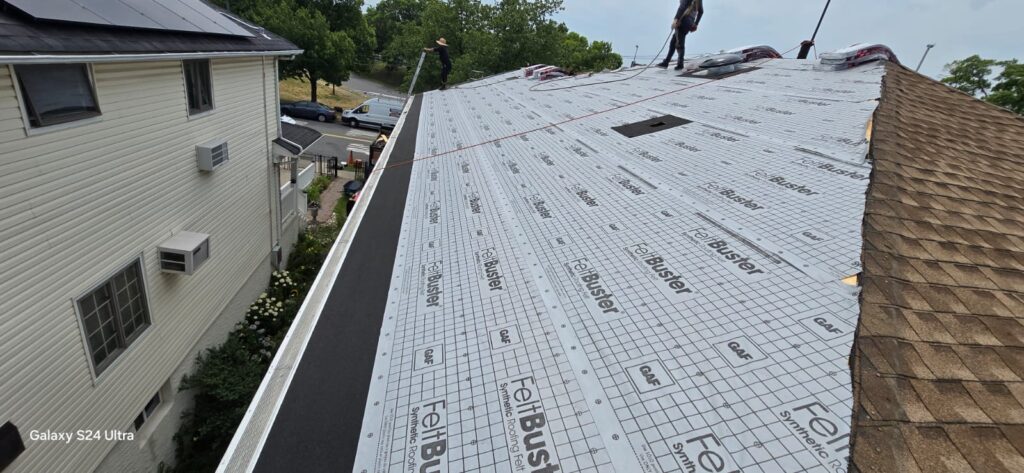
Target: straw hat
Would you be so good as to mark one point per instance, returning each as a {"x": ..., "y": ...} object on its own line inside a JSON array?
[{"x": 442, "y": 42}]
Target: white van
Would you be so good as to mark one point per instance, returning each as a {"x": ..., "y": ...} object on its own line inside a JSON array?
[{"x": 374, "y": 112}]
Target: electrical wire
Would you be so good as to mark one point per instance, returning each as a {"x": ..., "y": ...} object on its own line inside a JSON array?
[{"x": 563, "y": 122}]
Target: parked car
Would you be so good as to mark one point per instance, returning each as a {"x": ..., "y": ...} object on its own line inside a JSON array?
[
  {"x": 309, "y": 110},
  {"x": 374, "y": 112}
]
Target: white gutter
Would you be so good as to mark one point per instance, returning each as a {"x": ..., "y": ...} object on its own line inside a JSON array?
[{"x": 96, "y": 58}]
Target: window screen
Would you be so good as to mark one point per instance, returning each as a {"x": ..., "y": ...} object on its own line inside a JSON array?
[
  {"x": 114, "y": 314},
  {"x": 56, "y": 93},
  {"x": 198, "y": 86}
]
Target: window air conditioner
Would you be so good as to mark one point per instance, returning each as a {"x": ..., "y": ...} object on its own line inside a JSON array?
[
  {"x": 184, "y": 252},
  {"x": 212, "y": 154}
]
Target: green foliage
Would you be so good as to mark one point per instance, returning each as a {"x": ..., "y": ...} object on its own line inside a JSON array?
[
  {"x": 970, "y": 75},
  {"x": 341, "y": 211},
  {"x": 1009, "y": 91},
  {"x": 226, "y": 377},
  {"x": 317, "y": 187},
  {"x": 484, "y": 38},
  {"x": 973, "y": 75}
]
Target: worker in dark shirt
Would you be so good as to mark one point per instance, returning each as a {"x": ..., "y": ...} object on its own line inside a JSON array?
[
  {"x": 446, "y": 61},
  {"x": 687, "y": 18}
]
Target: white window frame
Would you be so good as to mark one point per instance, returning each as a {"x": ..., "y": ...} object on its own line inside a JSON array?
[
  {"x": 184, "y": 84},
  {"x": 27, "y": 124},
  {"x": 99, "y": 374}
]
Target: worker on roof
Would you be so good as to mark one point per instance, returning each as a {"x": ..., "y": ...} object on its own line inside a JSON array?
[
  {"x": 687, "y": 17},
  {"x": 446, "y": 62}
]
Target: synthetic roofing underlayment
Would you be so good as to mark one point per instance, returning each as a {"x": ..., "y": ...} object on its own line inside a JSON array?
[{"x": 568, "y": 298}]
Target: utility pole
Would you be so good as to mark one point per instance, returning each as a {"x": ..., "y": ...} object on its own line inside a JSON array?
[
  {"x": 927, "y": 49},
  {"x": 805, "y": 46}
]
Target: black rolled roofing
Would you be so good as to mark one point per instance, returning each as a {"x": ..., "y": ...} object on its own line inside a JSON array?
[
  {"x": 294, "y": 135},
  {"x": 22, "y": 34}
]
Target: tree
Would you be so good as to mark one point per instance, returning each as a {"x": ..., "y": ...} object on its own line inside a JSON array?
[
  {"x": 974, "y": 76},
  {"x": 347, "y": 16},
  {"x": 328, "y": 55},
  {"x": 388, "y": 17},
  {"x": 1009, "y": 92},
  {"x": 970, "y": 75}
]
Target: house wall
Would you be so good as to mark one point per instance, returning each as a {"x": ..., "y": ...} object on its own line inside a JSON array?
[{"x": 80, "y": 203}]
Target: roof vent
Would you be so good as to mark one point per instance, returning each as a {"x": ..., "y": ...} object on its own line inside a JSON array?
[
  {"x": 854, "y": 56},
  {"x": 755, "y": 52},
  {"x": 722, "y": 64}
]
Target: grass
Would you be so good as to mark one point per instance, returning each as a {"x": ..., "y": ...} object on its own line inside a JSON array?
[{"x": 298, "y": 89}]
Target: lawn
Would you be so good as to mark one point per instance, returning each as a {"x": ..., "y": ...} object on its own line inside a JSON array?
[
  {"x": 298, "y": 89},
  {"x": 380, "y": 73}
]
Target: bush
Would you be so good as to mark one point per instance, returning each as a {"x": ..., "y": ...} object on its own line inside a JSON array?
[
  {"x": 317, "y": 187},
  {"x": 226, "y": 377}
]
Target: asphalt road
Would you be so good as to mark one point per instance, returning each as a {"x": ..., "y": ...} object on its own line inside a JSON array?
[{"x": 339, "y": 139}]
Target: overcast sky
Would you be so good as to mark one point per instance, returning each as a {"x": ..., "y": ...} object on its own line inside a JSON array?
[{"x": 959, "y": 28}]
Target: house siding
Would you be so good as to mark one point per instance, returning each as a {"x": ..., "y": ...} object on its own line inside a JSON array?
[{"x": 80, "y": 203}]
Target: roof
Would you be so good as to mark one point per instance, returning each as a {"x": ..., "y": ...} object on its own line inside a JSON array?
[
  {"x": 631, "y": 270},
  {"x": 939, "y": 357},
  {"x": 297, "y": 138},
  {"x": 20, "y": 34}
]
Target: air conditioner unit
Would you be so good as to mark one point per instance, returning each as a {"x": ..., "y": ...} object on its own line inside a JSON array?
[
  {"x": 184, "y": 252},
  {"x": 212, "y": 154}
]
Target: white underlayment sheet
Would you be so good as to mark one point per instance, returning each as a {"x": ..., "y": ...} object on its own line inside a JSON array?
[{"x": 574, "y": 300}]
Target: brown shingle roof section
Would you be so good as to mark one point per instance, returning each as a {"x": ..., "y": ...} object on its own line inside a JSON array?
[{"x": 938, "y": 362}]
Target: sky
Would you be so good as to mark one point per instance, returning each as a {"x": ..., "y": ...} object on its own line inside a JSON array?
[{"x": 958, "y": 28}]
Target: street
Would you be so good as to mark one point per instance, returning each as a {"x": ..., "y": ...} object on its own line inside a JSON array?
[{"x": 339, "y": 139}]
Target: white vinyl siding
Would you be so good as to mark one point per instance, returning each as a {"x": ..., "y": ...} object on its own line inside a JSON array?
[{"x": 77, "y": 204}]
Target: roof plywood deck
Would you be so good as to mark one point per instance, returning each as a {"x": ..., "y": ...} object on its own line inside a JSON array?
[{"x": 563, "y": 295}]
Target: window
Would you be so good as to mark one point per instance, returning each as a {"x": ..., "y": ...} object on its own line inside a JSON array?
[
  {"x": 198, "y": 86},
  {"x": 56, "y": 93},
  {"x": 114, "y": 314},
  {"x": 363, "y": 109},
  {"x": 147, "y": 411}
]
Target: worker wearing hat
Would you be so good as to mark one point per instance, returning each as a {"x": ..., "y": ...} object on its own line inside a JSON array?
[
  {"x": 687, "y": 17},
  {"x": 446, "y": 61}
]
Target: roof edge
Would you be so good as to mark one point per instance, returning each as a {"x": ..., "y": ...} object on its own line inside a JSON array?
[{"x": 104, "y": 58}]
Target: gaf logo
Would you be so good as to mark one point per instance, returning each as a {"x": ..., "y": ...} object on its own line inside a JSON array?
[
  {"x": 432, "y": 286},
  {"x": 666, "y": 278},
  {"x": 527, "y": 435},
  {"x": 505, "y": 338},
  {"x": 728, "y": 194},
  {"x": 464, "y": 166},
  {"x": 584, "y": 195},
  {"x": 490, "y": 274},
  {"x": 649, "y": 375},
  {"x": 812, "y": 237},
  {"x": 782, "y": 182},
  {"x": 539, "y": 206},
  {"x": 701, "y": 451},
  {"x": 726, "y": 251},
  {"x": 597, "y": 296},
  {"x": 826, "y": 325},
  {"x": 513, "y": 167},
  {"x": 434, "y": 174},
  {"x": 739, "y": 351},
  {"x": 820, "y": 431},
  {"x": 546, "y": 159},
  {"x": 428, "y": 357},
  {"x": 428, "y": 436}
]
